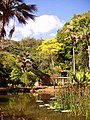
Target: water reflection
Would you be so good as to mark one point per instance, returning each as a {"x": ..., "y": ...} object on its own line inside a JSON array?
[{"x": 23, "y": 106}]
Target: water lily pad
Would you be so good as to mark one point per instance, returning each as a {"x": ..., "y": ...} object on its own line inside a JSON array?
[
  {"x": 56, "y": 110},
  {"x": 66, "y": 111},
  {"x": 39, "y": 101},
  {"x": 41, "y": 105},
  {"x": 52, "y": 108},
  {"x": 47, "y": 105},
  {"x": 58, "y": 107},
  {"x": 53, "y": 98},
  {"x": 48, "y": 108}
]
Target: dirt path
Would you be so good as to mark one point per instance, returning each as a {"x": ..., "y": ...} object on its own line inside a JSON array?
[
  {"x": 43, "y": 89},
  {"x": 46, "y": 89}
]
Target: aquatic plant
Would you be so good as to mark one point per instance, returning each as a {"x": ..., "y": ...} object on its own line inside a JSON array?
[{"x": 75, "y": 101}]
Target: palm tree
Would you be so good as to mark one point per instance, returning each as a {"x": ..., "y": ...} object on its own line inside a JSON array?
[
  {"x": 12, "y": 9},
  {"x": 78, "y": 29}
]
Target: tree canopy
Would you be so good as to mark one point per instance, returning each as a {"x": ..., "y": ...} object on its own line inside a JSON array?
[{"x": 29, "y": 60}]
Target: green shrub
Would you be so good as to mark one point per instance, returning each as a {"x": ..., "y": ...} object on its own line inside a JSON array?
[
  {"x": 15, "y": 75},
  {"x": 28, "y": 78},
  {"x": 81, "y": 78}
]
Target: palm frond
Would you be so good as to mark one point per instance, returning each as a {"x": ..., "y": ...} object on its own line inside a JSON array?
[
  {"x": 0, "y": 16},
  {"x": 20, "y": 18},
  {"x": 29, "y": 8},
  {"x": 27, "y": 15},
  {"x": 11, "y": 14},
  {"x": 32, "y": 17},
  {"x": 18, "y": 1},
  {"x": 1, "y": 7},
  {"x": 11, "y": 31},
  {"x": 32, "y": 8},
  {"x": 15, "y": 8},
  {"x": 0, "y": 0}
]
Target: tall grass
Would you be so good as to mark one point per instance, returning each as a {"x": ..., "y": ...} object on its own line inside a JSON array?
[{"x": 75, "y": 100}]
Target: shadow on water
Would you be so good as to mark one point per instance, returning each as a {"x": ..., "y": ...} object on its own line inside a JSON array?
[
  {"x": 27, "y": 106},
  {"x": 3, "y": 99}
]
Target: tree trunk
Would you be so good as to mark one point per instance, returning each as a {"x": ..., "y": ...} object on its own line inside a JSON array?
[
  {"x": 2, "y": 34},
  {"x": 89, "y": 55}
]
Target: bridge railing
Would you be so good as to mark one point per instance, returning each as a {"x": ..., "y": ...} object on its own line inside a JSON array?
[{"x": 60, "y": 80}]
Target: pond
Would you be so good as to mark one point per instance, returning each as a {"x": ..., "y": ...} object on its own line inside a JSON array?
[{"x": 60, "y": 106}]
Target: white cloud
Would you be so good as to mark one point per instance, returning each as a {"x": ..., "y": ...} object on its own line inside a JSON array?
[
  {"x": 42, "y": 25},
  {"x": 53, "y": 34}
]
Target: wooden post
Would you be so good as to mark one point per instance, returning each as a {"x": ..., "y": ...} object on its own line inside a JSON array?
[
  {"x": 73, "y": 59},
  {"x": 63, "y": 82},
  {"x": 89, "y": 55},
  {"x": 54, "y": 82},
  {"x": 2, "y": 115}
]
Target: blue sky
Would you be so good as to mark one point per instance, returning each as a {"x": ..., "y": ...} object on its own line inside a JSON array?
[
  {"x": 64, "y": 9},
  {"x": 51, "y": 16}
]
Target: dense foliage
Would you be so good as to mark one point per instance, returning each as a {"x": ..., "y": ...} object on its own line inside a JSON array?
[{"x": 30, "y": 60}]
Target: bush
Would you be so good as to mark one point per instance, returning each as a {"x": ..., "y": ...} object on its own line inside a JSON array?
[
  {"x": 15, "y": 75},
  {"x": 82, "y": 78},
  {"x": 28, "y": 78}
]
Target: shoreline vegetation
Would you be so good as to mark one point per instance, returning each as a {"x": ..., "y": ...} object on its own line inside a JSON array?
[
  {"x": 39, "y": 89},
  {"x": 50, "y": 61},
  {"x": 48, "y": 89},
  {"x": 75, "y": 96}
]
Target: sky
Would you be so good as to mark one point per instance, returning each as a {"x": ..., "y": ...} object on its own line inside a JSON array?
[{"x": 51, "y": 16}]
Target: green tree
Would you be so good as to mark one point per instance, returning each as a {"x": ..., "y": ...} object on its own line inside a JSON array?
[
  {"x": 64, "y": 58},
  {"x": 15, "y": 75},
  {"x": 12, "y": 47},
  {"x": 7, "y": 62},
  {"x": 28, "y": 78},
  {"x": 27, "y": 63},
  {"x": 30, "y": 45},
  {"x": 77, "y": 31},
  {"x": 50, "y": 47}
]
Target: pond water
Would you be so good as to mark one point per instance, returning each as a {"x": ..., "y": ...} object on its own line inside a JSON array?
[{"x": 28, "y": 106}]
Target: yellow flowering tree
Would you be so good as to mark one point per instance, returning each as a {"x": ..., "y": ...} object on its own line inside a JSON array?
[{"x": 50, "y": 47}]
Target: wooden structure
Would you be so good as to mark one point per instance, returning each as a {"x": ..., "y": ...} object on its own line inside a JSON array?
[
  {"x": 60, "y": 80},
  {"x": 1, "y": 115}
]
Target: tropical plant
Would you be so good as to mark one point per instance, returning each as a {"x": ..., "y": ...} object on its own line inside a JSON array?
[
  {"x": 23, "y": 61},
  {"x": 73, "y": 101},
  {"x": 81, "y": 78},
  {"x": 12, "y": 9},
  {"x": 78, "y": 32}
]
